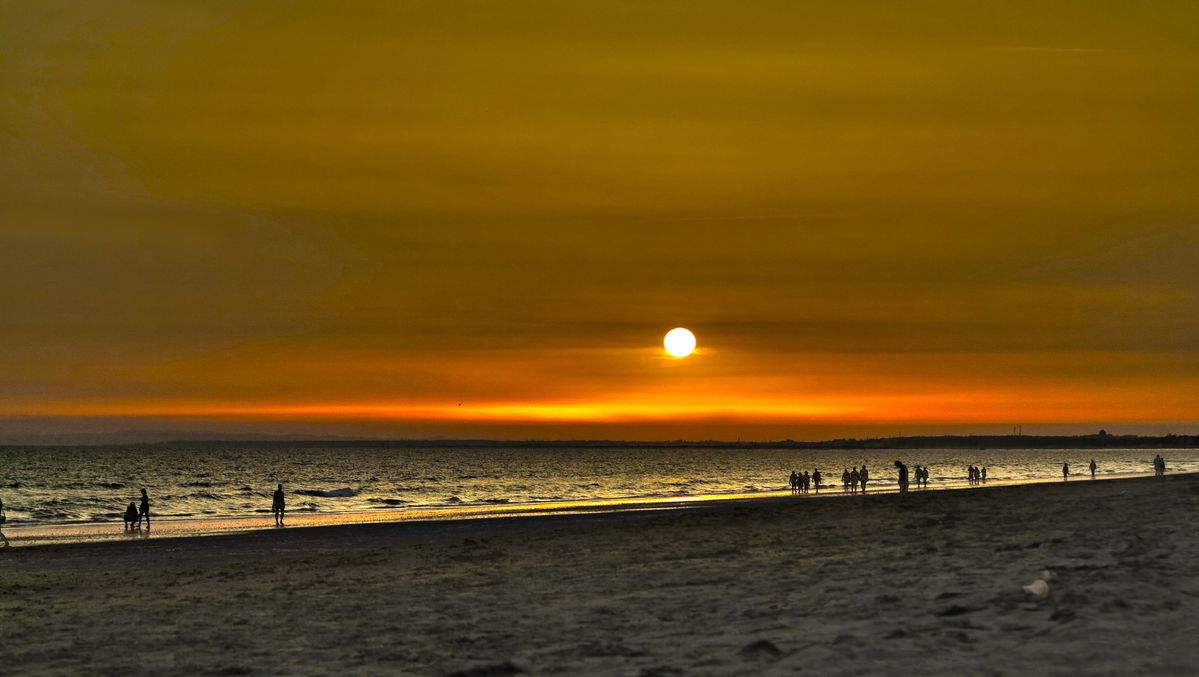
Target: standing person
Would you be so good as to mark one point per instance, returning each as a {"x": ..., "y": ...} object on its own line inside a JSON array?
[
  {"x": 845, "y": 479},
  {"x": 983, "y": 474},
  {"x": 816, "y": 479},
  {"x": 854, "y": 478},
  {"x": 807, "y": 481},
  {"x": 3, "y": 519},
  {"x": 924, "y": 476},
  {"x": 278, "y": 506},
  {"x": 144, "y": 511},
  {"x": 1065, "y": 472},
  {"x": 864, "y": 475},
  {"x": 970, "y": 474},
  {"x": 1093, "y": 467},
  {"x": 903, "y": 476},
  {"x": 794, "y": 482}
]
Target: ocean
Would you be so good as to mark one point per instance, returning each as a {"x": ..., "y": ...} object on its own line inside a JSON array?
[{"x": 60, "y": 485}]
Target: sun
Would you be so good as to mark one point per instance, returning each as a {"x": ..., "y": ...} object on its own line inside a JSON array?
[{"x": 679, "y": 342}]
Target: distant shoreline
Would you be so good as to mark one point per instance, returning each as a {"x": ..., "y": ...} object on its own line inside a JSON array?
[{"x": 1096, "y": 441}]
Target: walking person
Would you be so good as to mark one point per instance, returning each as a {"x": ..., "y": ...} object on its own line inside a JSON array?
[
  {"x": 3, "y": 519},
  {"x": 983, "y": 474},
  {"x": 845, "y": 480},
  {"x": 144, "y": 511},
  {"x": 794, "y": 482},
  {"x": 1065, "y": 472},
  {"x": 864, "y": 475},
  {"x": 278, "y": 506},
  {"x": 816, "y": 479},
  {"x": 903, "y": 476},
  {"x": 854, "y": 478},
  {"x": 807, "y": 481},
  {"x": 1093, "y": 467}
]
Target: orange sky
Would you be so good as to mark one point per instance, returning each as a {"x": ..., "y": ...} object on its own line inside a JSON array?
[{"x": 464, "y": 219}]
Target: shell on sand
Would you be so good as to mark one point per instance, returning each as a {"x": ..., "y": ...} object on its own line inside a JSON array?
[{"x": 1038, "y": 588}]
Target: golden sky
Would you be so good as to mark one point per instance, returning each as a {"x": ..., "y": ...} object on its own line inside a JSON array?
[{"x": 479, "y": 219}]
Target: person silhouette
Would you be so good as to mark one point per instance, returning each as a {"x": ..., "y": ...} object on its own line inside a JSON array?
[
  {"x": 1093, "y": 467},
  {"x": 816, "y": 479},
  {"x": 1065, "y": 472},
  {"x": 903, "y": 476},
  {"x": 130, "y": 515},
  {"x": 794, "y": 481},
  {"x": 144, "y": 511},
  {"x": 845, "y": 480},
  {"x": 864, "y": 475},
  {"x": 854, "y": 478},
  {"x": 982, "y": 474},
  {"x": 278, "y": 506},
  {"x": 3, "y": 519}
]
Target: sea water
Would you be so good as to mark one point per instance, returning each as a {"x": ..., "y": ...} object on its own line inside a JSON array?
[{"x": 59, "y": 485}]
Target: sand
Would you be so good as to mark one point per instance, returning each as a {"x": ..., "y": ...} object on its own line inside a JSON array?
[{"x": 887, "y": 584}]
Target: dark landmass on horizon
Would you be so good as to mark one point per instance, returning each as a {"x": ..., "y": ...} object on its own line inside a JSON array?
[{"x": 1096, "y": 441}]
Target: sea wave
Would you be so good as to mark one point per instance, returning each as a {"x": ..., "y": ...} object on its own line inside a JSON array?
[
  {"x": 387, "y": 501},
  {"x": 344, "y": 492}
]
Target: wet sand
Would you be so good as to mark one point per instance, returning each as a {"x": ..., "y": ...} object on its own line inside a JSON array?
[{"x": 927, "y": 582}]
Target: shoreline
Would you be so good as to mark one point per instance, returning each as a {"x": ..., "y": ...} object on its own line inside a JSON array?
[{"x": 40, "y": 536}]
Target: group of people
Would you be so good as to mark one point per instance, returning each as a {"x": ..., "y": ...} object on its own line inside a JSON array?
[
  {"x": 921, "y": 473},
  {"x": 134, "y": 514},
  {"x": 851, "y": 480},
  {"x": 802, "y": 482},
  {"x": 856, "y": 479}
]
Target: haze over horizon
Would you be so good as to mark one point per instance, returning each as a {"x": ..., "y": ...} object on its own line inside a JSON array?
[{"x": 422, "y": 219}]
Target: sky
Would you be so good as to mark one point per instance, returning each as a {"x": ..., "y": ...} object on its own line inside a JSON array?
[{"x": 469, "y": 219}]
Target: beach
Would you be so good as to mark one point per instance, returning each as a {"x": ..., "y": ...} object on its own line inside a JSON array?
[{"x": 924, "y": 581}]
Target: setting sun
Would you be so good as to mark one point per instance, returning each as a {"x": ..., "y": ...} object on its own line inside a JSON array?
[{"x": 679, "y": 342}]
